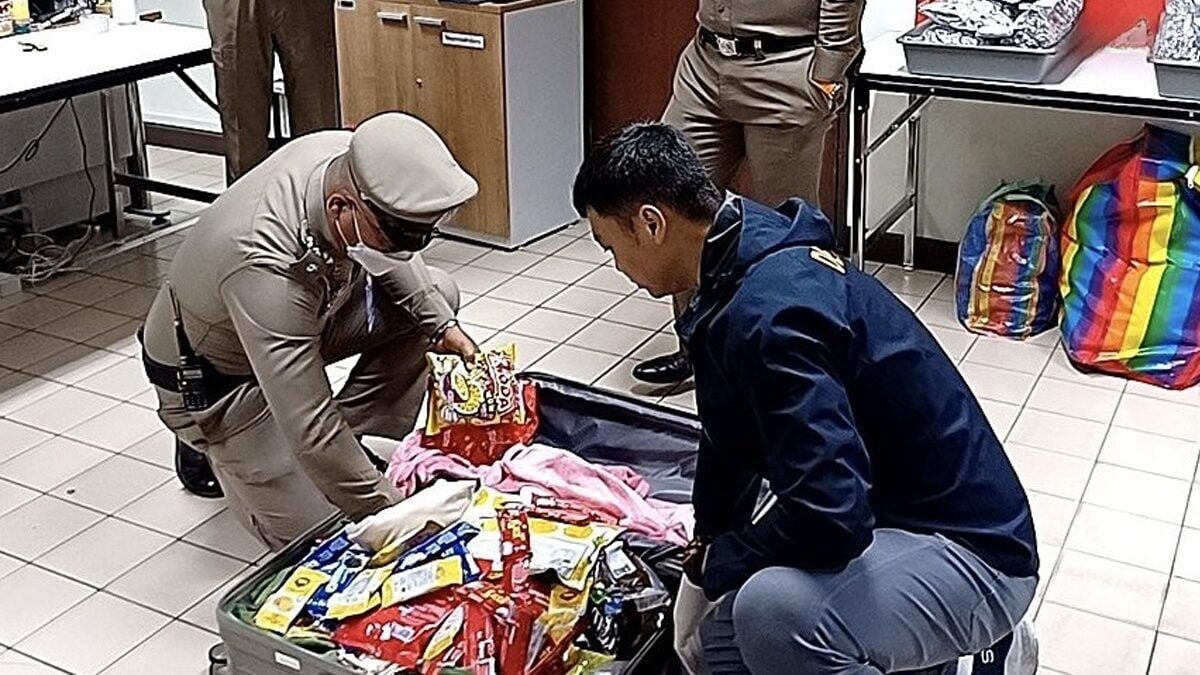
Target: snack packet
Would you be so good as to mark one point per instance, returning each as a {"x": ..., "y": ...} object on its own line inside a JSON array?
[
  {"x": 404, "y": 585},
  {"x": 400, "y": 634},
  {"x": 285, "y": 604},
  {"x": 483, "y": 392}
]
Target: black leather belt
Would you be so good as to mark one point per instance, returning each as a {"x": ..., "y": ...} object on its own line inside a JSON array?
[
  {"x": 167, "y": 376},
  {"x": 737, "y": 47}
]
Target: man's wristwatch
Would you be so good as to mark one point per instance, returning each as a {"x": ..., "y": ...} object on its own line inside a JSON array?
[{"x": 441, "y": 332}]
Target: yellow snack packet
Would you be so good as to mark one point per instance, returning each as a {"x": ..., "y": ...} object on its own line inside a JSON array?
[
  {"x": 361, "y": 596},
  {"x": 285, "y": 604},
  {"x": 412, "y": 583}
]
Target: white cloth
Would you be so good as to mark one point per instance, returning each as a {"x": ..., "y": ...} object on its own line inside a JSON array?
[
  {"x": 442, "y": 504},
  {"x": 691, "y": 609}
]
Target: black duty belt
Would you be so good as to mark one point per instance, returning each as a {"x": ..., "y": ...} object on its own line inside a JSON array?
[
  {"x": 737, "y": 47},
  {"x": 167, "y": 376}
]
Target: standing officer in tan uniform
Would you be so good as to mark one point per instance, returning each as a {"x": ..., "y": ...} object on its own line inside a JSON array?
[
  {"x": 308, "y": 260},
  {"x": 246, "y": 34},
  {"x": 760, "y": 83}
]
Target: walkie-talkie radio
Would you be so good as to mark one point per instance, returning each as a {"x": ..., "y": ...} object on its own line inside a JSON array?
[{"x": 193, "y": 383}]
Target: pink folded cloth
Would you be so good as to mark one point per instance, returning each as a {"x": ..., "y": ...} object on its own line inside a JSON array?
[{"x": 616, "y": 491}]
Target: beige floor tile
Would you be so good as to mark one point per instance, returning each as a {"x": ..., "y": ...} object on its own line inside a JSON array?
[
  {"x": 511, "y": 262},
  {"x": 1112, "y": 589},
  {"x": 1050, "y": 472},
  {"x": 1074, "y": 400},
  {"x": 1180, "y": 617},
  {"x": 1052, "y": 517},
  {"x": 1175, "y": 656},
  {"x": 224, "y": 534},
  {"x": 1187, "y": 558},
  {"x": 584, "y": 301},
  {"x": 17, "y": 438},
  {"x": 684, "y": 401},
  {"x": 611, "y": 338},
  {"x": 1159, "y": 417},
  {"x": 1190, "y": 396},
  {"x": 37, "y": 312},
  {"x": 916, "y": 282},
  {"x": 13, "y": 496},
  {"x": 665, "y": 342},
  {"x": 529, "y": 349},
  {"x": 49, "y": 464},
  {"x": 455, "y": 252},
  {"x": 546, "y": 324},
  {"x": 158, "y": 449},
  {"x": 1059, "y": 368},
  {"x": 113, "y": 484},
  {"x": 41, "y": 524},
  {"x": 122, "y": 381},
  {"x": 75, "y": 363},
  {"x": 1009, "y": 355},
  {"x": 956, "y": 342},
  {"x": 620, "y": 379},
  {"x": 1192, "y": 519},
  {"x": 1151, "y": 453},
  {"x": 29, "y": 348},
  {"x": 608, "y": 279},
  {"x": 176, "y": 578},
  {"x": 561, "y": 269},
  {"x": 550, "y": 244},
  {"x": 133, "y": 303},
  {"x": 171, "y": 510},
  {"x": 179, "y": 649},
  {"x": 86, "y": 323},
  {"x": 32, "y": 598},
  {"x": 635, "y": 311},
  {"x": 492, "y": 312},
  {"x": 1077, "y": 643},
  {"x": 204, "y": 613},
  {"x": 104, "y": 551},
  {"x": 1000, "y": 415},
  {"x": 1050, "y": 431},
  {"x": 526, "y": 290},
  {"x": 586, "y": 250},
  {"x": 1124, "y": 537},
  {"x": 99, "y": 630},
  {"x": 938, "y": 313},
  {"x": 117, "y": 428},
  {"x": 18, "y": 390},
  {"x": 997, "y": 384},
  {"x": 122, "y": 339},
  {"x": 573, "y": 363},
  {"x": 1138, "y": 492},
  {"x": 63, "y": 410},
  {"x": 91, "y": 290}
]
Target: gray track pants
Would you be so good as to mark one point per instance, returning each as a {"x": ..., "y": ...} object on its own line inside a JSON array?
[{"x": 909, "y": 602}]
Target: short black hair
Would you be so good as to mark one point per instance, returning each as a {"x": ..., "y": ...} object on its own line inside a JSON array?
[{"x": 645, "y": 163}]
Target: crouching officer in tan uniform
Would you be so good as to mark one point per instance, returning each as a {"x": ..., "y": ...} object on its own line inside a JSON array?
[{"x": 307, "y": 260}]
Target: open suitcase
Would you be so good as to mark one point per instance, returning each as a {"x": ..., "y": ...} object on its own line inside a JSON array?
[{"x": 601, "y": 427}]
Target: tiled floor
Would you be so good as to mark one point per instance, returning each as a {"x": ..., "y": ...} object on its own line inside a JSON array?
[{"x": 106, "y": 565}]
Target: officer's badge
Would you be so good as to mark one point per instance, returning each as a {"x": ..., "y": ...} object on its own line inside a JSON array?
[{"x": 828, "y": 259}]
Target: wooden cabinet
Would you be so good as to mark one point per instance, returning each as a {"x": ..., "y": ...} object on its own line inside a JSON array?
[{"x": 502, "y": 84}]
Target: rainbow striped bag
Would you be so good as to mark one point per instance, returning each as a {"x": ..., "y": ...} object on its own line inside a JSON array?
[
  {"x": 1008, "y": 263},
  {"x": 1131, "y": 263}
]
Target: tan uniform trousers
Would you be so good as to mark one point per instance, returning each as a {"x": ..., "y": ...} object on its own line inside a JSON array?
[
  {"x": 245, "y": 36},
  {"x": 765, "y": 113},
  {"x": 264, "y": 484}
]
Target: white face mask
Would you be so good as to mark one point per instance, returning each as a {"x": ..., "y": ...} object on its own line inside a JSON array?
[{"x": 375, "y": 263}]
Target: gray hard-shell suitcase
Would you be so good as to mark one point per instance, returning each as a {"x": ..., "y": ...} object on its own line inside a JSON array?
[{"x": 605, "y": 428}]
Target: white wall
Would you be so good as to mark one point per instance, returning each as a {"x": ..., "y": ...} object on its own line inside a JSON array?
[{"x": 166, "y": 100}]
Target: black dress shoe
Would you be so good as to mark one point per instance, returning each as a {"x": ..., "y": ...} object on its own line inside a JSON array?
[
  {"x": 668, "y": 369},
  {"x": 195, "y": 472}
]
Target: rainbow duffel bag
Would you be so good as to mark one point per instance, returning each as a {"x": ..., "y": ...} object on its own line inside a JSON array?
[
  {"x": 1131, "y": 263},
  {"x": 1008, "y": 264}
]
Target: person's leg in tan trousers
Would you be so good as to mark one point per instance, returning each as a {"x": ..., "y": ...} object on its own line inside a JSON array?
[
  {"x": 265, "y": 486},
  {"x": 304, "y": 38},
  {"x": 761, "y": 112},
  {"x": 245, "y": 36}
]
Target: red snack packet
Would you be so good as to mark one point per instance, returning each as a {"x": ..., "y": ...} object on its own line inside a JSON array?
[
  {"x": 481, "y": 445},
  {"x": 401, "y": 633},
  {"x": 515, "y": 551},
  {"x": 480, "y": 651}
]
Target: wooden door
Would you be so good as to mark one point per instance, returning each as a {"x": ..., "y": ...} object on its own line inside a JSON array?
[
  {"x": 375, "y": 55},
  {"x": 458, "y": 69}
]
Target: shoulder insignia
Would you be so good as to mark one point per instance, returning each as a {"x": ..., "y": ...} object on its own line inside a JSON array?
[{"x": 828, "y": 259}]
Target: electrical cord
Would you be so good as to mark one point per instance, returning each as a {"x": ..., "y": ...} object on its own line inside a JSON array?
[{"x": 51, "y": 258}]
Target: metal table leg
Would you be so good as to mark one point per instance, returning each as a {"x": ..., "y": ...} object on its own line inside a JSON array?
[
  {"x": 137, "y": 164},
  {"x": 913, "y": 186},
  {"x": 856, "y": 184}
]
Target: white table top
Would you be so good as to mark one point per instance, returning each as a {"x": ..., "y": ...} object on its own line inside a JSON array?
[
  {"x": 1124, "y": 75},
  {"x": 75, "y": 54}
]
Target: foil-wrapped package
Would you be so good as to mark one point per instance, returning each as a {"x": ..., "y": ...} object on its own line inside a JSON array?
[
  {"x": 1046, "y": 23},
  {"x": 940, "y": 35},
  {"x": 984, "y": 18},
  {"x": 1179, "y": 34}
]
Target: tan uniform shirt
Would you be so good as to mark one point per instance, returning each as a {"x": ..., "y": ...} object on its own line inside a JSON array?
[
  {"x": 256, "y": 285},
  {"x": 834, "y": 24}
]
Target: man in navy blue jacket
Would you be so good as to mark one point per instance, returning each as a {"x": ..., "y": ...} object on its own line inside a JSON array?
[{"x": 900, "y": 537}]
